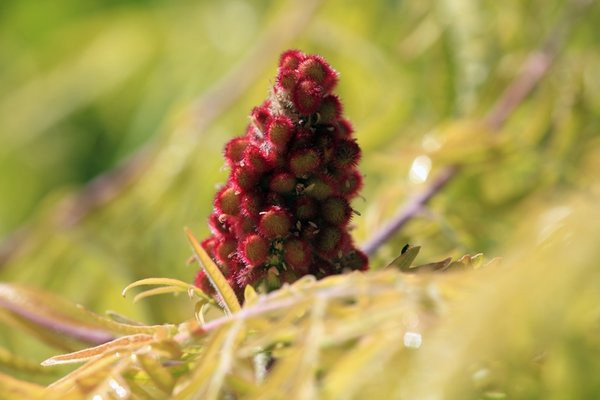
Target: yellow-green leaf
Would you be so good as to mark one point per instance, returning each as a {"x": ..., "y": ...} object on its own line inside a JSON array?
[
  {"x": 168, "y": 282},
  {"x": 404, "y": 260},
  {"x": 16, "y": 389},
  {"x": 126, "y": 342},
  {"x": 216, "y": 278},
  {"x": 159, "y": 374}
]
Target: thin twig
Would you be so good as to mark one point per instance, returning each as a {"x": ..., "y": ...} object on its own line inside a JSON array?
[
  {"x": 412, "y": 208},
  {"x": 82, "y": 333},
  {"x": 534, "y": 69}
]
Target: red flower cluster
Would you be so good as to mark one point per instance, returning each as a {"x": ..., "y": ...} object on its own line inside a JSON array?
[{"x": 285, "y": 208}]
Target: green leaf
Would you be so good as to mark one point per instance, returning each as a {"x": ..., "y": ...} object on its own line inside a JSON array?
[
  {"x": 16, "y": 389},
  {"x": 404, "y": 260},
  {"x": 159, "y": 374},
  {"x": 250, "y": 295},
  {"x": 216, "y": 278},
  {"x": 16, "y": 363},
  {"x": 433, "y": 266},
  {"x": 122, "y": 343},
  {"x": 127, "y": 329},
  {"x": 174, "y": 284},
  {"x": 158, "y": 291}
]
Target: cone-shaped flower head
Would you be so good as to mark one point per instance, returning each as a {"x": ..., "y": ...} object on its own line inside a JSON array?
[{"x": 285, "y": 209}]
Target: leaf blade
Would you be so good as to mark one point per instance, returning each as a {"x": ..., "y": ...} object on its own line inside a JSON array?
[{"x": 224, "y": 291}]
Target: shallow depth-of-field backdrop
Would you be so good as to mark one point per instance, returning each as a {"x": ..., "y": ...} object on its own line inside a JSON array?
[{"x": 113, "y": 115}]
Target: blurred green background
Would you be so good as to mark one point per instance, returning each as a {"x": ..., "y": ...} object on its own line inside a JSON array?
[{"x": 113, "y": 115}]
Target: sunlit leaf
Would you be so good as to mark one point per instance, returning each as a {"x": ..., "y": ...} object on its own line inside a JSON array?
[
  {"x": 122, "y": 343},
  {"x": 125, "y": 328},
  {"x": 404, "y": 260},
  {"x": 169, "y": 283},
  {"x": 224, "y": 291}
]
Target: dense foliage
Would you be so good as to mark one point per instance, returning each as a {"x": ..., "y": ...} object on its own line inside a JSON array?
[{"x": 113, "y": 117}]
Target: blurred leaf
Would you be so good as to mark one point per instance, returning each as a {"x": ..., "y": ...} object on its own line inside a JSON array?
[
  {"x": 404, "y": 260},
  {"x": 127, "y": 328},
  {"x": 250, "y": 295},
  {"x": 170, "y": 286},
  {"x": 15, "y": 389},
  {"x": 16, "y": 363},
  {"x": 126, "y": 344},
  {"x": 49, "y": 314},
  {"x": 159, "y": 374}
]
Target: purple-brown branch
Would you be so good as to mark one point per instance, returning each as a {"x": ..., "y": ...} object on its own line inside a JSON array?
[
  {"x": 82, "y": 333},
  {"x": 412, "y": 208}
]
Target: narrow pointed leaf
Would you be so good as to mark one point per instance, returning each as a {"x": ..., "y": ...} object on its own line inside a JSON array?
[
  {"x": 126, "y": 342},
  {"x": 127, "y": 329},
  {"x": 224, "y": 291},
  {"x": 167, "y": 282},
  {"x": 404, "y": 260}
]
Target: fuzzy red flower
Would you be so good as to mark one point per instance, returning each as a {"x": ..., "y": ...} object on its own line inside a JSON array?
[{"x": 285, "y": 209}]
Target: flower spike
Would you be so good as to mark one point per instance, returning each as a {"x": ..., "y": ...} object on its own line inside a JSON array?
[{"x": 285, "y": 209}]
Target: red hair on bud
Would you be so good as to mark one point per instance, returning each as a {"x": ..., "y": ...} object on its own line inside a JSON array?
[
  {"x": 355, "y": 260},
  {"x": 251, "y": 204},
  {"x": 254, "y": 250},
  {"x": 201, "y": 281},
  {"x": 282, "y": 183},
  {"x": 329, "y": 240},
  {"x": 234, "y": 150},
  {"x": 281, "y": 130},
  {"x": 298, "y": 255},
  {"x": 227, "y": 201},
  {"x": 347, "y": 154},
  {"x": 244, "y": 225},
  {"x": 291, "y": 59},
  {"x": 330, "y": 110},
  {"x": 287, "y": 80},
  {"x": 316, "y": 68},
  {"x": 304, "y": 162},
  {"x": 275, "y": 222},
  {"x": 326, "y": 145},
  {"x": 344, "y": 129},
  {"x": 320, "y": 187},
  {"x": 351, "y": 183},
  {"x": 261, "y": 117},
  {"x": 275, "y": 199},
  {"x": 220, "y": 224},
  {"x": 255, "y": 160},
  {"x": 210, "y": 245},
  {"x": 336, "y": 210},
  {"x": 225, "y": 250},
  {"x": 303, "y": 138},
  {"x": 305, "y": 208},
  {"x": 248, "y": 276},
  {"x": 307, "y": 96},
  {"x": 245, "y": 179}
]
